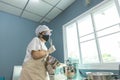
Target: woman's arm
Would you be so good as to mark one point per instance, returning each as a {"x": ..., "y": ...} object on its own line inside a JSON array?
[{"x": 38, "y": 54}]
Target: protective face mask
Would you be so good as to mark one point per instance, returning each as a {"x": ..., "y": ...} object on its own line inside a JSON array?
[{"x": 45, "y": 37}]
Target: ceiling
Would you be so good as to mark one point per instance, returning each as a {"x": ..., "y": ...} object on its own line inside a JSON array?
[{"x": 35, "y": 10}]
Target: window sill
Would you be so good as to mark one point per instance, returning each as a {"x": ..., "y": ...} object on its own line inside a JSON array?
[{"x": 107, "y": 66}]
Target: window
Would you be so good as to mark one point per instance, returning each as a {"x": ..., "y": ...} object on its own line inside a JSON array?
[
  {"x": 87, "y": 40},
  {"x": 94, "y": 37},
  {"x": 106, "y": 16},
  {"x": 106, "y": 21},
  {"x": 72, "y": 41},
  {"x": 110, "y": 48}
]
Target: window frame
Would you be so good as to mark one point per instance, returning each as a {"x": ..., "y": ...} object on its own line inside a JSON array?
[{"x": 101, "y": 66}]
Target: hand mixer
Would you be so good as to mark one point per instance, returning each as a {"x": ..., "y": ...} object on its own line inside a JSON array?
[{"x": 71, "y": 70}]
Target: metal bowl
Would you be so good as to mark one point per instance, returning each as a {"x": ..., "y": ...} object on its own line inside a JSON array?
[{"x": 100, "y": 76}]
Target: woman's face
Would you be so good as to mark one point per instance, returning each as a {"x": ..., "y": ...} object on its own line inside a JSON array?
[{"x": 45, "y": 35}]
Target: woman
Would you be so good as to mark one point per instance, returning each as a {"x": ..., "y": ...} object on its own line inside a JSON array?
[{"x": 34, "y": 63}]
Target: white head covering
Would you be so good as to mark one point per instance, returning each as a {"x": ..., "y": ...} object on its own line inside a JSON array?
[{"x": 42, "y": 28}]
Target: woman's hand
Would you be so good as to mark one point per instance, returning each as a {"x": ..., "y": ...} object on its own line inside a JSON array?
[{"x": 51, "y": 49}]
